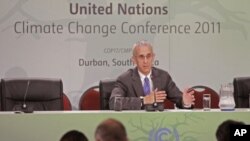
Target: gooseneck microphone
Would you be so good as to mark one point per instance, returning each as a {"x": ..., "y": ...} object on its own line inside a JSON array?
[
  {"x": 155, "y": 103},
  {"x": 155, "y": 106},
  {"x": 24, "y": 106},
  {"x": 27, "y": 108}
]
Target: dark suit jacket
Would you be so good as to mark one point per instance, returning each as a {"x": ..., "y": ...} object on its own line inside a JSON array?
[{"x": 129, "y": 86}]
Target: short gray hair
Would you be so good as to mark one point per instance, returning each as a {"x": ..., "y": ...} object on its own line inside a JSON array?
[{"x": 141, "y": 43}]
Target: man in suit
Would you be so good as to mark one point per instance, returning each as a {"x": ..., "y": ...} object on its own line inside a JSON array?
[{"x": 146, "y": 85}]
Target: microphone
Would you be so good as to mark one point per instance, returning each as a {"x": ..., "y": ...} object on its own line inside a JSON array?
[
  {"x": 158, "y": 106},
  {"x": 25, "y": 108},
  {"x": 155, "y": 103},
  {"x": 155, "y": 106},
  {"x": 25, "y": 95}
]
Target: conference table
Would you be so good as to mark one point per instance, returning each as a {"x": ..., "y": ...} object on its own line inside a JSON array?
[{"x": 171, "y": 125}]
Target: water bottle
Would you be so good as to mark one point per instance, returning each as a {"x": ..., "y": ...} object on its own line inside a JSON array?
[{"x": 227, "y": 102}]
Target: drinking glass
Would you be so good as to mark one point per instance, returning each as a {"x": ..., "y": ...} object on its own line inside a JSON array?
[{"x": 206, "y": 102}]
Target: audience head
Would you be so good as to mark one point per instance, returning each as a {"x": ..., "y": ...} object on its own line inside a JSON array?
[
  {"x": 223, "y": 132},
  {"x": 111, "y": 130},
  {"x": 74, "y": 135},
  {"x": 143, "y": 56}
]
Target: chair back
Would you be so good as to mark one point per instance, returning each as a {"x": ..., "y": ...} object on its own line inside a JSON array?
[
  {"x": 199, "y": 91},
  {"x": 66, "y": 103},
  {"x": 38, "y": 94},
  {"x": 168, "y": 104},
  {"x": 90, "y": 99},
  {"x": 106, "y": 87},
  {"x": 241, "y": 91}
]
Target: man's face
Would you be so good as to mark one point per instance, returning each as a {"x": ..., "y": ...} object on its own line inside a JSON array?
[{"x": 143, "y": 58}]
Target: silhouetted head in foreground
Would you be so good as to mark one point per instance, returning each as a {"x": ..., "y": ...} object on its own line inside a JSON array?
[
  {"x": 111, "y": 130},
  {"x": 74, "y": 135},
  {"x": 223, "y": 130}
]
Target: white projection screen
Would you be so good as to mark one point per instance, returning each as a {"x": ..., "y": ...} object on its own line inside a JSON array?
[{"x": 199, "y": 42}]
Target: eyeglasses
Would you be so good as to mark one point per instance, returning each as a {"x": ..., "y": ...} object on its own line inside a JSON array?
[{"x": 143, "y": 57}]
